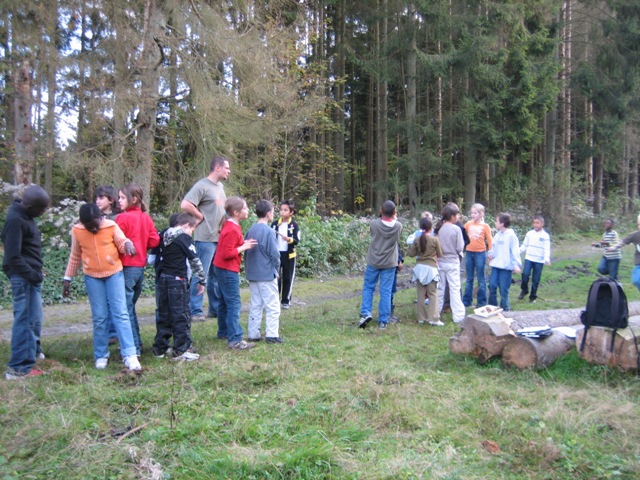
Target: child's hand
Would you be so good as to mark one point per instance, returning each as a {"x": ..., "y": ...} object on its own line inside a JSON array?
[
  {"x": 249, "y": 244},
  {"x": 200, "y": 289},
  {"x": 129, "y": 249},
  {"x": 517, "y": 270},
  {"x": 66, "y": 288}
]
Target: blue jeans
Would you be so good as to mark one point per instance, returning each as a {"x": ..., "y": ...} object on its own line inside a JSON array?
[
  {"x": 108, "y": 300},
  {"x": 533, "y": 269},
  {"x": 500, "y": 278},
  {"x": 205, "y": 251},
  {"x": 27, "y": 323},
  {"x": 133, "y": 278},
  {"x": 229, "y": 307},
  {"x": 475, "y": 262},
  {"x": 635, "y": 276},
  {"x": 609, "y": 266},
  {"x": 371, "y": 276}
]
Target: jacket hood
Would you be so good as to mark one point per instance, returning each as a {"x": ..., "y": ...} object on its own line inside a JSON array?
[{"x": 171, "y": 234}]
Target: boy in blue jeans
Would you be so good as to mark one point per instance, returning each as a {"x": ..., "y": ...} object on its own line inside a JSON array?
[
  {"x": 22, "y": 264},
  {"x": 382, "y": 262},
  {"x": 537, "y": 250}
]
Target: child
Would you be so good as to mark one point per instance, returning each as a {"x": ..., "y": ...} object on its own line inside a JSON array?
[
  {"x": 427, "y": 249},
  {"x": 261, "y": 266},
  {"x": 480, "y": 241},
  {"x": 382, "y": 262},
  {"x": 504, "y": 259},
  {"x": 411, "y": 238},
  {"x": 96, "y": 242},
  {"x": 22, "y": 264},
  {"x": 226, "y": 261},
  {"x": 635, "y": 239},
  {"x": 172, "y": 289},
  {"x": 610, "y": 261},
  {"x": 288, "y": 236},
  {"x": 537, "y": 245},
  {"x": 106, "y": 198},
  {"x": 452, "y": 244},
  {"x": 137, "y": 226}
]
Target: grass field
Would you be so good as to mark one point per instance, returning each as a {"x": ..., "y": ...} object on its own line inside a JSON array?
[{"x": 334, "y": 401}]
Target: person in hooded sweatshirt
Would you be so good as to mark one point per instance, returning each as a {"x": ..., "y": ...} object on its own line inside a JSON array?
[
  {"x": 382, "y": 261},
  {"x": 172, "y": 288}
]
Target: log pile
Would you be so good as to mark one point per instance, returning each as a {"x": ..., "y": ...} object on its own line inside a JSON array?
[{"x": 486, "y": 338}]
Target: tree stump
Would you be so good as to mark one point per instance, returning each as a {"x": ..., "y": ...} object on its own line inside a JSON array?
[
  {"x": 483, "y": 338},
  {"x": 524, "y": 352},
  {"x": 598, "y": 344}
]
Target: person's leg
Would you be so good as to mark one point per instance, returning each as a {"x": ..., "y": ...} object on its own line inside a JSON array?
[
  {"x": 524, "y": 284},
  {"x": 504, "y": 283},
  {"x": 470, "y": 261},
  {"x": 493, "y": 287},
  {"x": 442, "y": 287},
  {"x": 133, "y": 277},
  {"x": 230, "y": 284},
  {"x": 269, "y": 294},
  {"x": 117, "y": 310},
  {"x": 179, "y": 297},
  {"x": 603, "y": 266},
  {"x": 222, "y": 305},
  {"x": 97, "y": 293},
  {"x": 213, "y": 291},
  {"x": 371, "y": 275},
  {"x": 164, "y": 329},
  {"x": 205, "y": 251},
  {"x": 455, "y": 298},
  {"x": 481, "y": 262},
  {"x": 25, "y": 331},
  {"x": 384, "y": 304},
  {"x": 432, "y": 308},
  {"x": 256, "y": 307},
  {"x": 421, "y": 308},
  {"x": 536, "y": 275},
  {"x": 288, "y": 274},
  {"x": 614, "y": 264}
]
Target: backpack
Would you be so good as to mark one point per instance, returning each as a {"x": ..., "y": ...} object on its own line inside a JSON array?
[{"x": 606, "y": 307}]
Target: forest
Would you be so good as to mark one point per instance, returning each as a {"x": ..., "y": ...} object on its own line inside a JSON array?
[{"x": 341, "y": 104}]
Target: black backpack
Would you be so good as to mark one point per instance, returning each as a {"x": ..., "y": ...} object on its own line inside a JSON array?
[{"x": 606, "y": 307}]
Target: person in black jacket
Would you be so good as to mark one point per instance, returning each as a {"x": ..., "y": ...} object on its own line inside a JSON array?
[
  {"x": 287, "y": 236},
  {"x": 22, "y": 264}
]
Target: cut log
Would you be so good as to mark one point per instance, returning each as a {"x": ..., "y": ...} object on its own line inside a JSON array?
[
  {"x": 524, "y": 352},
  {"x": 556, "y": 318},
  {"x": 483, "y": 338},
  {"x": 597, "y": 347}
]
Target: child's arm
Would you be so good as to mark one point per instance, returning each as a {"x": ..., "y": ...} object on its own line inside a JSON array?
[
  {"x": 123, "y": 244},
  {"x": 547, "y": 251},
  {"x": 488, "y": 237},
  {"x": 515, "y": 253},
  {"x": 75, "y": 257},
  {"x": 153, "y": 239},
  {"x": 525, "y": 244}
]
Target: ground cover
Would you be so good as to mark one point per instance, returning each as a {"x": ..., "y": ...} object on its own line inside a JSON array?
[{"x": 332, "y": 402}]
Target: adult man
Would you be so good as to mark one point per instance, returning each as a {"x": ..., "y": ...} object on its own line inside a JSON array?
[
  {"x": 22, "y": 263},
  {"x": 205, "y": 201}
]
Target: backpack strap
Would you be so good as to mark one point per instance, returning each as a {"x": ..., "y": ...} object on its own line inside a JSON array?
[
  {"x": 615, "y": 298},
  {"x": 584, "y": 337}
]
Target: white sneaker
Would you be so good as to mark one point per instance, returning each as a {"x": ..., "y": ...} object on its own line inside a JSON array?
[
  {"x": 40, "y": 356},
  {"x": 188, "y": 356},
  {"x": 132, "y": 362},
  {"x": 437, "y": 323},
  {"x": 101, "y": 363}
]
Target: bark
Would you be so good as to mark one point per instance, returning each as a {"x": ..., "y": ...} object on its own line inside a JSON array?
[
  {"x": 524, "y": 352},
  {"x": 25, "y": 159},
  {"x": 597, "y": 347},
  {"x": 412, "y": 142},
  {"x": 483, "y": 338},
  {"x": 555, "y": 318}
]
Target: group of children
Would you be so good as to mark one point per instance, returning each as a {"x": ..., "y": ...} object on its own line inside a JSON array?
[
  {"x": 111, "y": 242},
  {"x": 439, "y": 252}
]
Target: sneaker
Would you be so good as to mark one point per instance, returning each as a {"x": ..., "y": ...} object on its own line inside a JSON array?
[
  {"x": 532, "y": 300},
  {"x": 158, "y": 354},
  {"x": 101, "y": 363},
  {"x": 241, "y": 345},
  {"x": 394, "y": 319},
  {"x": 188, "y": 356},
  {"x": 132, "y": 363},
  {"x": 285, "y": 306},
  {"x": 257, "y": 339},
  {"x": 40, "y": 356},
  {"x": 198, "y": 318},
  {"x": 521, "y": 296},
  {"x": 382, "y": 325},
  {"x": 212, "y": 315},
  {"x": 436, "y": 323},
  {"x": 34, "y": 372},
  {"x": 274, "y": 340},
  {"x": 364, "y": 320},
  {"x": 421, "y": 322}
]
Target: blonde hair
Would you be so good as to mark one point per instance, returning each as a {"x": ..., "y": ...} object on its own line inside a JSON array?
[
  {"x": 480, "y": 208},
  {"x": 231, "y": 206}
]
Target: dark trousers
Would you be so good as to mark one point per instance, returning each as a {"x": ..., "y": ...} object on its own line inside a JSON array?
[
  {"x": 533, "y": 269},
  {"x": 287, "y": 275},
  {"x": 173, "y": 319}
]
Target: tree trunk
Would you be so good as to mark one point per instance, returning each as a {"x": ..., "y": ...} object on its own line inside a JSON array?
[
  {"x": 597, "y": 347},
  {"x": 25, "y": 159},
  {"x": 338, "y": 193},
  {"x": 483, "y": 338},
  {"x": 381, "y": 116},
  {"x": 412, "y": 141},
  {"x": 524, "y": 352}
]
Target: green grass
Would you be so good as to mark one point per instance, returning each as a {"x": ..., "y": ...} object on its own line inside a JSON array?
[{"x": 332, "y": 402}]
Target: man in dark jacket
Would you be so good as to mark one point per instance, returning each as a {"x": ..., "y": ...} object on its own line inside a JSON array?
[{"x": 22, "y": 264}]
